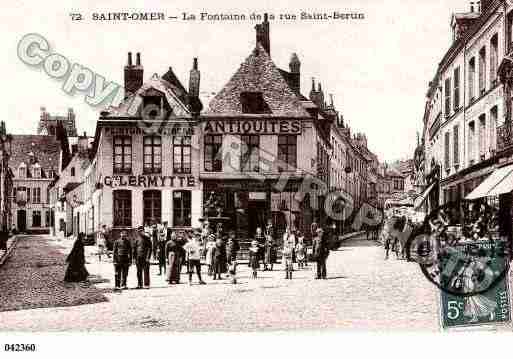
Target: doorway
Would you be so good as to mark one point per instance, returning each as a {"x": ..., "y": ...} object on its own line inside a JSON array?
[
  {"x": 257, "y": 216},
  {"x": 22, "y": 220}
]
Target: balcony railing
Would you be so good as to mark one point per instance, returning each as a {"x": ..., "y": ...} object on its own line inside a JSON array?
[{"x": 504, "y": 136}]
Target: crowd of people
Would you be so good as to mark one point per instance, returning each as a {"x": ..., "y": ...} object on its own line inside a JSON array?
[{"x": 173, "y": 251}]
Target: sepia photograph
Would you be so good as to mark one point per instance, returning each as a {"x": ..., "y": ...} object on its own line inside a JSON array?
[{"x": 244, "y": 169}]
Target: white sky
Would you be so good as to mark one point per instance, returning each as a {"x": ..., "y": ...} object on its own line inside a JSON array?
[{"x": 378, "y": 69}]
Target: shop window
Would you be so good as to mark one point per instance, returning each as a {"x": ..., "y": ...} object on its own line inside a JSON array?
[
  {"x": 250, "y": 153},
  {"x": 122, "y": 208},
  {"x": 287, "y": 152},
  {"x": 213, "y": 153},
  {"x": 152, "y": 154},
  {"x": 122, "y": 154},
  {"x": 182, "y": 208},
  {"x": 182, "y": 154},
  {"x": 152, "y": 207},
  {"x": 36, "y": 218}
]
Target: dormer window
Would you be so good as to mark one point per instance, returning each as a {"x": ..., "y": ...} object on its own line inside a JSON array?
[
  {"x": 22, "y": 171},
  {"x": 36, "y": 171},
  {"x": 155, "y": 105},
  {"x": 253, "y": 102}
]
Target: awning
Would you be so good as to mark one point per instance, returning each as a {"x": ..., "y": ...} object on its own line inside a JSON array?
[
  {"x": 499, "y": 182},
  {"x": 422, "y": 198}
]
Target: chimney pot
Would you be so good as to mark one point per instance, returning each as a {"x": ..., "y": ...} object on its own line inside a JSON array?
[
  {"x": 138, "y": 59},
  {"x": 129, "y": 59},
  {"x": 195, "y": 63}
]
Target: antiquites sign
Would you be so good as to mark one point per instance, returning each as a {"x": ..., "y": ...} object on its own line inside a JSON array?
[
  {"x": 149, "y": 181},
  {"x": 256, "y": 127}
]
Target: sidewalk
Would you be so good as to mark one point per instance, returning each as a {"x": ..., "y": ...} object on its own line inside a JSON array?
[{"x": 11, "y": 244}]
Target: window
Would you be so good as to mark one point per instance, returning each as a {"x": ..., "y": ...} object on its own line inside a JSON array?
[
  {"x": 152, "y": 154},
  {"x": 152, "y": 207},
  {"x": 447, "y": 149},
  {"x": 456, "y": 149},
  {"x": 447, "y": 97},
  {"x": 471, "y": 143},
  {"x": 72, "y": 171},
  {"x": 213, "y": 153},
  {"x": 36, "y": 195},
  {"x": 482, "y": 71},
  {"x": 482, "y": 136},
  {"x": 494, "y": 59},
  {"x": 182, "y": 154},
  {"x": 253, "y": 102},
  {"x": 28, "y": 194},
  {"x": 122, "y": 210},
  {"x": 36, "y": 218},
  {"x": 287, "y": 152},
  {"x": 122, "y": 154},
  {"x": 456, "y": 89},
  {"x": 472, "y": 79},
  {"x": 509, "y": 30},
  {"x": 250, "y": 153},
  {"x": 182, "y": 208},
  {"x": 493, "y": 125},
  {"x": 36, "y": 171},
  {"x": 22, "y": 172}
]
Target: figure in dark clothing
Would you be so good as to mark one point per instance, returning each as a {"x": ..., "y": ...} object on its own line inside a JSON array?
[
  {"x": 174, "y": 256},
  {"x": 254, "y": 261},
  {"x": 122, "y": 258},
  {"x": 219, "y": 258},
  {"x": 154, "y": 240},
  {"x": 320, "y": 253},
  {"x": 142, "y": 256},
  {"x": 76, "y": 271},
  {"x": 161, "y": 249},
  {"x": 232, "y": 248},
  {"x": 260, "y": 238}
]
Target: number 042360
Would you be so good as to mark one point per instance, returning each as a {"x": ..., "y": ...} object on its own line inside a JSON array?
[{"x": 19, "y": 347}]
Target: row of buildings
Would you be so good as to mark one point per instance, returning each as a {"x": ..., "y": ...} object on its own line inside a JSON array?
[
  {"x": 467, "y": 147},
  {"x": 260, "y": 152}
]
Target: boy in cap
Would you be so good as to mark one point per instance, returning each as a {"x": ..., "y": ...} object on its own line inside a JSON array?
[{"x": 193, "y": 255}]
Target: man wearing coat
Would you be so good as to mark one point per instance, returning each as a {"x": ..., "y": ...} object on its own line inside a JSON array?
[
  {"x": 122, "y": 258},
  {"x": 320, "y": 252},
  {"x": 142, "y": 255}
]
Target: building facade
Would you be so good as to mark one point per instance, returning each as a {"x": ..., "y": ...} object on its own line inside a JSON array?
[
  {"x": 6, "y": 180},
  {"x": 49, "y": 124}
]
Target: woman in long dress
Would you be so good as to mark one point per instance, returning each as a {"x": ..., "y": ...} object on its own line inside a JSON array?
[{"x": 76, "y": 271}]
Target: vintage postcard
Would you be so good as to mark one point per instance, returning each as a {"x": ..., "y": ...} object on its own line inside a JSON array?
[{"x": 243, "y": 167}]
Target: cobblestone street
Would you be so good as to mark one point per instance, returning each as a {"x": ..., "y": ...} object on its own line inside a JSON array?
[{"x": 362, "y": 292}]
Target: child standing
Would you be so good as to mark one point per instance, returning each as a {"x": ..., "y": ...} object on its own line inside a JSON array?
[
  {"x": 254, "y": 260},
  {"x": 300, "y": 252},
  {"x": 288, "y": 250},
  {"x": 211, "y": 244}
]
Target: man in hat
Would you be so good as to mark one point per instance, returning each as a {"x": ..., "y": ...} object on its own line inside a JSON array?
[
  {"x": 142, "y": 256},
  {"x": 320, "y": 253},
  {"x": 122, "y": 257},
  {"x": 193, "y": 256}
]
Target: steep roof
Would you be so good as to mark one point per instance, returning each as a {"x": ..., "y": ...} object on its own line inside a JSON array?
[
  {"x": 174, "y": 93},
  {"x": 258, "y": 73},
  {"x": 46, "y": 150}
]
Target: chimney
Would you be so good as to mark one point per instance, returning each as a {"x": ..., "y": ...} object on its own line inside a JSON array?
[
  {"x": 294, "y": 66},
  {"x": 133, "y": 75},
  {"x": 194, "y": 79},
  {"x": 262, "y": 34}
]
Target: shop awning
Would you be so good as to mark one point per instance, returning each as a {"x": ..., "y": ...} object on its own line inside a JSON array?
[
  {"x": 422, "y": 198},
  {"x": 499, "y": 182}
]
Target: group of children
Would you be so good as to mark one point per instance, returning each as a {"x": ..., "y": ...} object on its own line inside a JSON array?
[{"x": 294, "y": 249}]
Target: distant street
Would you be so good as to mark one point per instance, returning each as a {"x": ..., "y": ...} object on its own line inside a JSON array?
[{"x": 362, "y": 292}]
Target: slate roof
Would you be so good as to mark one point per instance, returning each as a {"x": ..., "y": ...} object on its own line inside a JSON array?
[
  {"x": 258, "y": 73},
  {"x": 46, "y": 149},
  {"x": 174, "y": 92}
]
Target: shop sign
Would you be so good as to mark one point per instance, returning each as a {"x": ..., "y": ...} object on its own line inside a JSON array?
[
  {"x": 149, "y": 181},
  {"x": 258, "y": 196},
  {"x": 254, "y": 127},
  {"x": 169, "y": 130}
]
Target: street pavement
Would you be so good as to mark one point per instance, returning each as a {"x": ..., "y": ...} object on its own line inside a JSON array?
[{"x": 363, "y": 292}]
